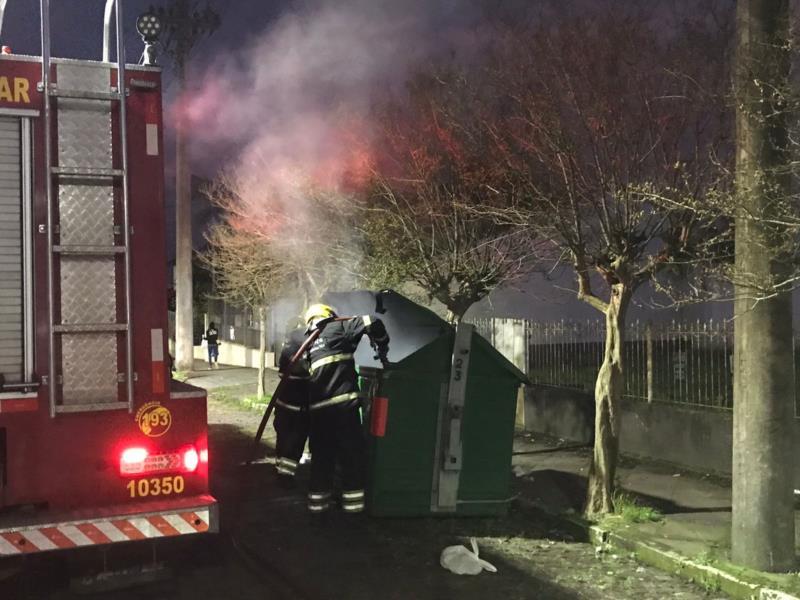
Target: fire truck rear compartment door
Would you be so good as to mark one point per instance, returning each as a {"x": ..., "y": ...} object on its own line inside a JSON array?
[{"x": 11, "y": 282}]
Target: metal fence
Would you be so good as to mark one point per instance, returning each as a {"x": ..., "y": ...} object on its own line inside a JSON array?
[{"x": 680, "y": 362}]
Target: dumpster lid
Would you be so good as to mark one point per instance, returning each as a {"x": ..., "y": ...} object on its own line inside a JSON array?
[{"x": 410, "y": 325}]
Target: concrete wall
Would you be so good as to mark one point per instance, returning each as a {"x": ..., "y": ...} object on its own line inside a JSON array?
[
  {"x": 238, "y": 355},
  {"x": 696, "y": 438},
  {"x": 559, "y": 412},
  {"x": 700, "y": 439}
]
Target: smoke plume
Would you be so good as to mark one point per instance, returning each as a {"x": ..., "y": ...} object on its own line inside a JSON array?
[
  {"x": 287, "y": 115},
  {"x": 298, "y": 94}
]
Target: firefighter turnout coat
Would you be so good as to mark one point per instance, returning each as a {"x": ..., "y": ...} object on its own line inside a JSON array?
[
  {"x": 291, "y": 406},
  {"x": 334, "y": 402}
]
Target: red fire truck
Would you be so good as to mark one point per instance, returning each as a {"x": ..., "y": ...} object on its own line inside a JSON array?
[{"x": 97, "y": 444}]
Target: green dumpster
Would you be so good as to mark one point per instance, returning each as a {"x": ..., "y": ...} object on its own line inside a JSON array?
[{"x": 440, "y": 423}]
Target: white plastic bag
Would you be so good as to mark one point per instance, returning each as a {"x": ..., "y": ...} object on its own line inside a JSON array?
[{"x": 461, "y": 561}]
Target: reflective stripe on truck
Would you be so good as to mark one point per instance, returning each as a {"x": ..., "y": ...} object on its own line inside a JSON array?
[{"x": 108, "y": 530}]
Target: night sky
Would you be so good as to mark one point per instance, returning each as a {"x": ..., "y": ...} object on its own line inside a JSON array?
[
  {"x": 77, "y": 33},
  {"x": 77, "y": 26}
]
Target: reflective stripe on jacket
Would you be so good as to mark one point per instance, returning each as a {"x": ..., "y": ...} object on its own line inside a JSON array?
[{"x": 334, "y": 381}]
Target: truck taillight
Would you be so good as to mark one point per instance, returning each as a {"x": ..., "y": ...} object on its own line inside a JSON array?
[
  {"x": 190, "y": 460},
  {"x": 138, "y": 461},
  {"x": 132, "y": 461}
]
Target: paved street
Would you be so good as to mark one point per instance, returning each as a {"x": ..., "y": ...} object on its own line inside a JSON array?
[
  {"x": 272, "y": 549},
  {"x": 397, "y": 558}
]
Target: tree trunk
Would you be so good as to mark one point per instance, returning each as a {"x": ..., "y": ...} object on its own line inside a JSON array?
[
  {"x": 763, "y": 526},
  {"x": 607, "y": 394},
  {"x": 184, "y": 321},
  {"x": 262, "y": 353}
]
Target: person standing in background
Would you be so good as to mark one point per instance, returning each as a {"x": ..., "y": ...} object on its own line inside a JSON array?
[{"x": 212, "y": 340}]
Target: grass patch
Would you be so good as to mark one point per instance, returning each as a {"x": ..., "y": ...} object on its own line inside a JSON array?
[
  {"x": 254, "y": 402},
  {"x": 785, "y": 582},
  {"x": 181, "y": 376},
  {"x": 711, "y": 586},
  {"x": 706, "y": 557},
  {"x": 238, "y": 396},
  {"x": 630, "y": 510},
  {"x": 232, "y": 394}
]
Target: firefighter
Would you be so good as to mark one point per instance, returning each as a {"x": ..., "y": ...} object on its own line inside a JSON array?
[
  {"x": 291, "y": 408},
  {"x": 334, "y": 405}
]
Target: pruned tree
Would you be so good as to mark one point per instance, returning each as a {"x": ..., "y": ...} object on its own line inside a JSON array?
[
  {"x": 309, "y": 228},
  {"x": 604, "y": 114},
  {"x": 246, "y": 274},
  {"x": 435, "y": 166}
]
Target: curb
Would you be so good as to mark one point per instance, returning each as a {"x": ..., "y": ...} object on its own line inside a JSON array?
[{"x": 659, "y": 556}]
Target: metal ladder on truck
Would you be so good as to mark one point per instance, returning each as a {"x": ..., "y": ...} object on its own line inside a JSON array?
[{"x": 88, "y": 230}]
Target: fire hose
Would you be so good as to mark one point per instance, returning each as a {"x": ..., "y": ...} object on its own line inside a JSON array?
[
  {"x": 271, "y": 406},
  {"x": 379, "y": 355}
]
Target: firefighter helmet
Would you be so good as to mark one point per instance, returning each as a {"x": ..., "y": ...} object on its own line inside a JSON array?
[{"x": 316, "y": 312}]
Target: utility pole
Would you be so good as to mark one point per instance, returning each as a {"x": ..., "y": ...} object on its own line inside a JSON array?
[
  {"x": 763, "y": 527},
  {"x": 184, "y": 25}
]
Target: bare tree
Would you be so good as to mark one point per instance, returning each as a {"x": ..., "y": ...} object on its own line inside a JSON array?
[
  {"x": 436, "y": 166},
  {"x": 246, "y": 274},
  {"x": 604, "y": 114},
  {"x": 282, "y": 235},
  {"x": 308, "y": 229}
]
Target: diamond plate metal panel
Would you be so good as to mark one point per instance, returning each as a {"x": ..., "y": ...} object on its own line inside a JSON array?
[
  {"x": 88, "y": 289},
  {"x": 84, "y": 134},
  {"x": 83, "y": 77},
  {"x": 89, "y": 368},
  {"x": 87, "y": 215},
  {"x": 84, "y": 126}
]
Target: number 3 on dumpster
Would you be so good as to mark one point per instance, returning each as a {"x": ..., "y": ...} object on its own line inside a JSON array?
[{"x": 156, "y": 486}]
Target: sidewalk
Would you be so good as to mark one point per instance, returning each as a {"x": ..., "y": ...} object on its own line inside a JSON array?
[
  {"x": 692, "y": 538},
  {"x": 221, "y": 376}
]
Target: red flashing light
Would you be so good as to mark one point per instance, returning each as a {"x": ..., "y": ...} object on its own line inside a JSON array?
[
  {"x": 6, "y": 50},
  {"x": 190, "y": 460},
  {"x": 138, "y": 461},
  {"x": 132, "y": 461},
  {"x": 134, "y": 455}
]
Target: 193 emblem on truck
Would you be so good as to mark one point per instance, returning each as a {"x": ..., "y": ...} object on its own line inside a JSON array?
[{"x": 154, "y": 420}]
